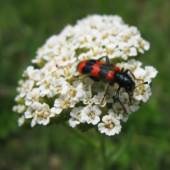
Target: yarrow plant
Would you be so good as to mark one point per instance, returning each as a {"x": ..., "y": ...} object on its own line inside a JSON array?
[{"x": 52, "y": 88}]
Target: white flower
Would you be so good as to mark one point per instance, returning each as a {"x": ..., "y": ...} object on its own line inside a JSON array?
[
  {"x": 51, "y": 86},
  {"x": 41, "y": 114},
  {"x": 115, "y": 115},
  {"x": 91, "y": 114},
  {"x": 99, "y": 99},
  {"x": 88, "y": 91},
  {"x": 75, "y": 116},
  {"x": 32, "y": 96},
  {"x": 151, "y": 73},
  {"x": 21, "y": 121},
  {"x": 19, "y": 108},
  {"x": 77, "y": 92},
  {"x": 143, "y": 91},
  {"x": 33, "y": 74},
  {"x": 117, "y": 107},
  {"x": 61, "y": 104},
  {"x": 28, "y": 113},
  {"x": 24, "y": 88},
  {"x": 56, "y": 110},
  {"x": 109, "y": 125}
]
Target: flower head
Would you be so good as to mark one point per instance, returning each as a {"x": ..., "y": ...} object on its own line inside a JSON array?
[{"x": 52, "y": 87}]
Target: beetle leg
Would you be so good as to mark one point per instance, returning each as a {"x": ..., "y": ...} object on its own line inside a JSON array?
[
  {"x": 133, "y": 75},
  {"x": 106, "y": 58},
  {"x": 130, "y": 95},
  {"x": 116, "y": 98},
  {"x": 105, "y": 92}
]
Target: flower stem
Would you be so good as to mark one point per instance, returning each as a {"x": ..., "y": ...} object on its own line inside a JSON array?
[
  {"x": 103, "y": 153},
  {"x": 82, "y": 136}
]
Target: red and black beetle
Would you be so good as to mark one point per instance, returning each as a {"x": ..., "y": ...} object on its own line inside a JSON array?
[{"x": 110, "y": 73}]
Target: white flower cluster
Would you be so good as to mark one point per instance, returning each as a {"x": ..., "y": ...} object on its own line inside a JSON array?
[{"x": 52, "y": 88}]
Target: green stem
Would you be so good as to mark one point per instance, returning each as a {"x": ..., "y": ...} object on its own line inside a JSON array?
[
  {"x": 82, "y": 136},
  {"x": 103, "y": 153}
]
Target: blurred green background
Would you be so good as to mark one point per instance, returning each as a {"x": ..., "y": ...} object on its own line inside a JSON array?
[{"x": 145, "y": 138}]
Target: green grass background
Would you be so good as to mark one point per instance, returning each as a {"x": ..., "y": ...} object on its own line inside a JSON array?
[{"x": 145, "y": 138}]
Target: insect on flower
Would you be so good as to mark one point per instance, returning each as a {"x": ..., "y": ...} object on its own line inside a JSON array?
[{"x": 108, "y": 72}]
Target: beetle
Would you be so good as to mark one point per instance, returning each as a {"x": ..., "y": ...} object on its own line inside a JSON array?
[{"x": 108, "y": 72}]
